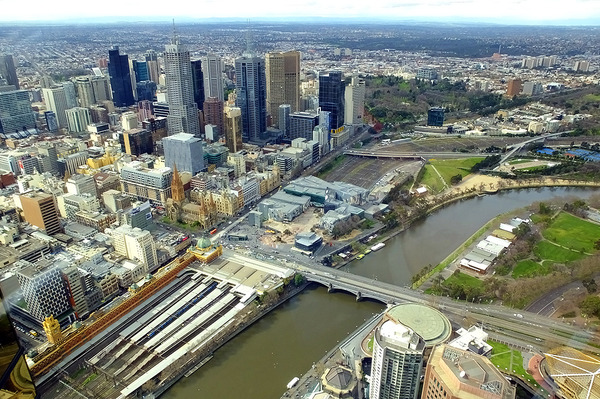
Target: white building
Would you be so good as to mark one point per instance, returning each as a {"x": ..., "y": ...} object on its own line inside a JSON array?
[
  {"x": 397, "y": 362},
  {"x": 354, "y": 102},
  {"x": 135, "y": 244},
  {"x": 78, "y": 119}
]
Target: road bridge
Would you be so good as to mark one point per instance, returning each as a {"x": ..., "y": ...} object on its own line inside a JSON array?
[
  {"x": 512, "y": 321},
  {"x": 519, "y": 146},
  {"x": 410, "y": 155}
]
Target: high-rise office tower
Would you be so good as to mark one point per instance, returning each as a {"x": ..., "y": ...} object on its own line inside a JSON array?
[
  {"x": 70, "y": 94},
  {"x": 331, "y": 97},
  {"x": 354, "y": 101},
  {"x": 283, "y": 82},
  {"x": 198, "y": 83},
  {"x": 284, "y": 112},
  {"x": 250, "y": 86},
  {"x": 85, "y": 92},
  {"x": 212, "y": 69},
  {"x": 185, "y": 151},
  {"x": 457, "y": 374},
  {"x": 15, "y": 111},
  {"x": 233, "y": 129},
  {"x": 397, "y": 361},
  {"x": 8, "y": 71},
  {"x": 56, "y": 101},
  {"x": 101, "y": 89},
  {"x": 78, "y": 119},
  {"x": 120, "y": 78},
  {"x": 39, "y": 209},
  {"x": 183, "y": 111},
  {"x": 213, "y": 114},
  {"x": 152, "y": 65},
  {"x": 44, "y": 291},
  {"x": 140, "y": 70}
]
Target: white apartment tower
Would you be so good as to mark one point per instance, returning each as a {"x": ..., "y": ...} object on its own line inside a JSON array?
[
  {"x": 354, "y": 101},
  {"x": 212, "y": 69},
  {"x": 183, "y": 110},
  {"x": 397, "y": 362}
]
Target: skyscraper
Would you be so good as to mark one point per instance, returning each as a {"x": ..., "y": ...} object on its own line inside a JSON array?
[
  {"x": 85, "y": 92},
  {"x": 183, "y": 111},
  {"x": 283, "y": 82},
  {"x": 140, "y": 69},
  {"x": 213, "y": 114},
  {"x": 397, "y": 362},
  {"x": 233, "y": 129},
  {"x": 514, "y": 87},
  {"x": 152, "y": 65},
  {"x": 56, "y": 101},
  {"x": 185, "y": 151},
  {"x": 331, "y": 97},
  {"x": 212, "y": 69},
  {"x": 8, "y": 70},
  {"x": 39, "y": 209},
  {"x": 250, "y": 86},
  {"x": 120, "y": 78},
  {"x": 198, "y": 83},
  {"x": 15, "y": 111},
  {"x": 355, "y": 101}
]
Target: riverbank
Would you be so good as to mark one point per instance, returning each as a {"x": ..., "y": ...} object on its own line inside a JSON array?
[{"x": 202, "y": 357}]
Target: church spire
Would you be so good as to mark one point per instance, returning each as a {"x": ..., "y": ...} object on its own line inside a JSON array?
[{"x": 177, "y": 192}]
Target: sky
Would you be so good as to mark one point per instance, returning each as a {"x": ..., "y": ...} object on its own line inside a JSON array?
[{"x": 571, "y": 12}]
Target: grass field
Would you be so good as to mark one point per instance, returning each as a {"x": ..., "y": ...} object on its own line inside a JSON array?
[
  {"x": 447, "y": 168},
  {"x": 510, "y": 361},
  {"x": 464, "y": 280},
  {"x": 530, "y": 268},
  {"x": 572, "y": 232},
  {"x": 548, "y": 251}
]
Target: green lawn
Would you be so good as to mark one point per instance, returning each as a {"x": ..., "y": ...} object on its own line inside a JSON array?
[
  {"x": 530, "y": 268},
  {"x": 432, "y": 180},
  {"x": 464, "y": 280},
  {"x": 548, "y": 251},
  {"x": 447, "y": 168},
  {"x": 572, "y": 232},
  {"x": 501, "y": 358},
  {"x": 451, "y": 167},
  {"x": 518, "y": 161}
]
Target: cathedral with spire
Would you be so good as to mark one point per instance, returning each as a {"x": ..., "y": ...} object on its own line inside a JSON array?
[{"x": 202, "y": 212}]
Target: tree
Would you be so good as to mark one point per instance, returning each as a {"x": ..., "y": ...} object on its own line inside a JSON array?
[
  {"x": 456, "y": 179},
  {"x": 298, "y": 279},
  {"x": 590, "y": 305}
]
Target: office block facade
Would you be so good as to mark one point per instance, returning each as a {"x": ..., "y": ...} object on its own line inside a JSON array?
[
  {"x": 233, "y": 129},
  {"x": 78, "y": 119},
  {"x": 146, "y": 184},
  {"x": 354, "y": 101},
  {"x": 212, "y": 71},
  {"x": 185, "y": 151},
  {"x": 183, "y": 111},
  {"x": 198, "y": 83},
  {"x": 331, "y": 97},
  {"x": 39, "y": 209},
  {"x": 283, "y": 82},
  {"x": 44, "y": 291},
  {"x": 213, "y": 114},
  {"x": 120, "y": 78},
  {"x": 302, "y": 125},
  {"x": 56, "y": 101},
  {"x": 8, "y": 71},
  {"x": 251, "y": 93},
  {"x": 15, "y": 112}
]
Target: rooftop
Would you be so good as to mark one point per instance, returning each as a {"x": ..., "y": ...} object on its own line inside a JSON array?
[{"x": 428, "y": 322}]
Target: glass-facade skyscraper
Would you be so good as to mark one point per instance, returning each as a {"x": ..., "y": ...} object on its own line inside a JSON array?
[
  {"x": 331, "y": 97},
  {"x": 183, "y": 111},
  {"x": 198, "y": 82},
  {"x": 8, "y": 70},
  {"x": 120, "y": 78},
  {"x": 250, "y": 86}
]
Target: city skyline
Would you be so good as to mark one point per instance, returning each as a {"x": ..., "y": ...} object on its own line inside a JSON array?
[{"x": 508, "y": 12}]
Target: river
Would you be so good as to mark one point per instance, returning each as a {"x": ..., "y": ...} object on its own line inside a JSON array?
[{"x": 259, "y": 362}]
